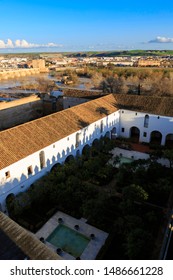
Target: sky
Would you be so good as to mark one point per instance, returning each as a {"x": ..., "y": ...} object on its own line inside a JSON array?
[{"x": 97, "y": 25}]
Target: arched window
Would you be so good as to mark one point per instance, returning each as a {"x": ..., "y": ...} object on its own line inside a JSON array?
[
  {"x": 42, "y": 159},
  {"x": 77, "y": 139},
  {"x": 101, "y": 127},
  {"x": 146, "y": 121}
]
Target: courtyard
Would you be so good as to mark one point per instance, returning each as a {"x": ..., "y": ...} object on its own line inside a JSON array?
[{"x": 95, "y": 237}]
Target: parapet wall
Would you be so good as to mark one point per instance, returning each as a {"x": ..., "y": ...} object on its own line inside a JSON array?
[{"x": 20, "y": 111}]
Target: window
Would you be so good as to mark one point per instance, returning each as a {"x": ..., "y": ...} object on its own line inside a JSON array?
[
  {"x": 53, "y": 146},
  {"x": 30, "y": 170},
  {"x": 122, "y": 129},
  {"x": 101, "y": 127},
  {"x": 146, "y": 121},
  {"x": 77, "y": 139},
  {"x": 144, "y": 134},
  {"x": 7, "y": 174},
  {"x": 158, "y": 117},
  {"x": 122, "y": 112},
  {"x": 42, "y": 159},
  {"x": 136, "y": 114}
]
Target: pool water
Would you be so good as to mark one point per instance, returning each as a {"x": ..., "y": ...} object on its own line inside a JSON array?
[
  {"x": 125, "y": 160},
  {"x": 68, "y": 240}
]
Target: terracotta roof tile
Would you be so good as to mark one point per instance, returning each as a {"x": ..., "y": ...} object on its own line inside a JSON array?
[
  {"x": 26, "y": 241},
  {"x": 20, "y": 141},
  {"x": 147, "y": 104}
]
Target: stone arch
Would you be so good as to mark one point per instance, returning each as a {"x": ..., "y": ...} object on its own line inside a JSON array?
[
  {"x": 113, "y": 133},
  {"x": 55, "y": 167},
  {"x": 169, "y": 140},
  {"x": 135, "y": 133},
  {"x": 95, "y": 142},
  {"x": 156, "y": 137},
  {"x": 9, "y": 197},
  {"x": 69, "y": 158},
  {"x": 9, "y": 200},
  {"x": 86, "y": 151},
  {"x": 107, "y": 134}
]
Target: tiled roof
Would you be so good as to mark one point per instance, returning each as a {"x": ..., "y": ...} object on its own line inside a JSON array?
[
  {"x": 90, "y": 94},
  {"x": 21, "y": 141},
  {"x": 147, "y": 104},
  {"x": 20, "y": 241}
]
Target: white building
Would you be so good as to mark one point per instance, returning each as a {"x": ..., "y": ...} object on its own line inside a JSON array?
[{"x": 30, "y": 150}]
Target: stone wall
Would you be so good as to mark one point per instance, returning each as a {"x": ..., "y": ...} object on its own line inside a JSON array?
[{"x": 20, "y": 111}]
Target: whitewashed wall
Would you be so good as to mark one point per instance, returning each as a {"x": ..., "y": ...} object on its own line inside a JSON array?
[
  {"x": 129, "y": 119},
  {"x": 19, "y": 179}
]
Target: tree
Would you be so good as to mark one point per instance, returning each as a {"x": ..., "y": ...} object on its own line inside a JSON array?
[
  {"x": 97, "y": 78},
  {"x": 169, "y": 155},
  {"x": 113, "y": 85},
  {"x": 138, "y": 244},
  {"x": 135, "y": 192},
  {"x": 44, "y": 86}
]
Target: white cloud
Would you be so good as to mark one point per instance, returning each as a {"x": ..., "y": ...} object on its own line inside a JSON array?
[
  {"x": 24, "y": 44},
  {"x": 2, "y": 44},
  {"x": 9, "y": 43},
  {"x": 160, "y": 39}
]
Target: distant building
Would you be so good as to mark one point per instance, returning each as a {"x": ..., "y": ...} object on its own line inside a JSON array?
[
  {"x": 40, "y": 64},
  {"x": 149, "y": 62}
]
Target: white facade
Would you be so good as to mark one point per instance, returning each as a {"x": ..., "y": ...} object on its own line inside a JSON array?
[
  {"x": 20, "y": 175},
  {"x": 129, "y": 119}
]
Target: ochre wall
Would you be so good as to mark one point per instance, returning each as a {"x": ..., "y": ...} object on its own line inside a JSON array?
[{"x": 20, "y": 111}]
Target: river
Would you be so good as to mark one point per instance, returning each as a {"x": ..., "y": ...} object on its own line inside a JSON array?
[{"x": 10, "y": 89}]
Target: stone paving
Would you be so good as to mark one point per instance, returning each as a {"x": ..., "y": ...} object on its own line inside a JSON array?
[{"x": 93, "y": 246}]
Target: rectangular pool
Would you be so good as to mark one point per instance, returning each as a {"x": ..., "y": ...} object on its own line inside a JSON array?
[
  {"x": 68, "y": 240},
  {"x": 126, "y": 160}
]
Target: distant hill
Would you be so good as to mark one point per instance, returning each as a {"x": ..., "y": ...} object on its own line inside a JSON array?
[
  {"x": 94, "y": 53},
  {"x": 121, "y": 53}
]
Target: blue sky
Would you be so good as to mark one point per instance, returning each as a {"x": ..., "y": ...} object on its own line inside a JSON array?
[{"x": 52, "y": 25}]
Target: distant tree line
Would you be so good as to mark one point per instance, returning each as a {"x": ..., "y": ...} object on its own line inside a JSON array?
[{"x": 123, "y": 80}]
